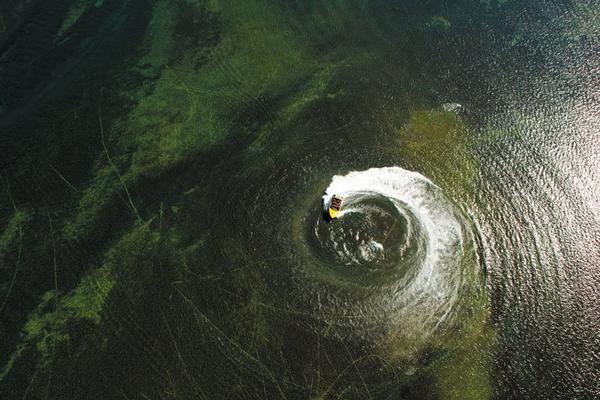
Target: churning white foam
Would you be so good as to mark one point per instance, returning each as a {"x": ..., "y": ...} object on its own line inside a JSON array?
[{"x": 429, "y": 299}]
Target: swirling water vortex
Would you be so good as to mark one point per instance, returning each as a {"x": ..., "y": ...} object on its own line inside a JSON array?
[{"x": 401, "y": 255}]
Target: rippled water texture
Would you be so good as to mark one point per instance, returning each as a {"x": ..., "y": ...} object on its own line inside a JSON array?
[
  {"x": 165, "y": 167},
  {"x": 399, "y": 244}
]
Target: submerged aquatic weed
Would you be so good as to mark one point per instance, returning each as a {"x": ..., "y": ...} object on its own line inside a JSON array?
[
  {"x": 439, "y": 22},
  {"x": 13, "y": 230},
  {"x": 440, "y": 144},
  {"x": 465, "y": 374},
  {"x": 190, "y": 107},
  {"x": 11, "y": 241},
  {"x": 47, "y": 329},
  {"x": 76, "y": 11},
  {"x": 71, "y": 319}
]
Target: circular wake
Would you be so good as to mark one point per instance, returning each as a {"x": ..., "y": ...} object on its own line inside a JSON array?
[{"x": 401, "y": 253}]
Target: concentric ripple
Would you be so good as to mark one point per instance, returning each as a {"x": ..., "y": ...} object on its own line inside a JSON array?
[{"x": 401, "y": 252}]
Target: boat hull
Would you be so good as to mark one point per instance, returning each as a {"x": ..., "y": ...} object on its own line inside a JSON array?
[{"x": 333, "y": 214}]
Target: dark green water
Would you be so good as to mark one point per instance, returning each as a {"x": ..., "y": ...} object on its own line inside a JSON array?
[{"x": 163, "y": 165}]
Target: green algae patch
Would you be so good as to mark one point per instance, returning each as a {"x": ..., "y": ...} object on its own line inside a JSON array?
[
  {"x": 465, "y": 369},
  {"x": 469, "y": 331},
  {"x": 11, "y": 253},
  {"x": 439, "y": 144},
  {"x": 13, "y": 230},
  {"x": 159, "y": 38},
  {"x": 70, "y": 322},
  {"x": 458, "y": 364},
  {"x": 75, "y": 13},
  {"x": 105, "y": 199},
  {"x": 439, "y": 22},
  {"x": 427, "y": 127},
  {"x": 202, "y": 88},
  {"x": 57, "y": 318},
  {"x": 135, "y": 260},
  {"x": 47, "y": 329},
  {"x": 466, "y": 375},
  {"x": 14, "y": 357}
]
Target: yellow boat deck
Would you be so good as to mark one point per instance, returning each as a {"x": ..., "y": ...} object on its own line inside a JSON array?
[{"x": 335, "y": 206}]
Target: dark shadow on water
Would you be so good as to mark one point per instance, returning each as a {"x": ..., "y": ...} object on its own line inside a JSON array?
[{"x": 326, "y": 217}]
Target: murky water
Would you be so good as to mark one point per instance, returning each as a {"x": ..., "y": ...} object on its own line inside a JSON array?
[{"x": 165, "y": 166}]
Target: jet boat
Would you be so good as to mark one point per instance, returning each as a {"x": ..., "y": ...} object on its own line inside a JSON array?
[{"x": 335, "y": 206}]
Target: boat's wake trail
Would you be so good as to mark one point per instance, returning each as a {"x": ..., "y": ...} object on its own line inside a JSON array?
[{"x": 401, "y": 253}]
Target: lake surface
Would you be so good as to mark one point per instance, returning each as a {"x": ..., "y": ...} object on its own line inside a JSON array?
[{"x": 165, "y": 166}]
